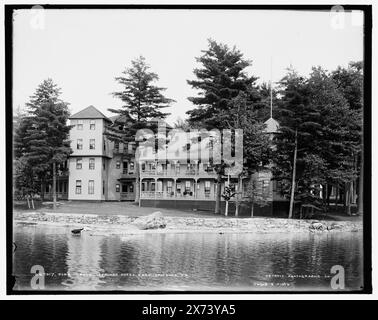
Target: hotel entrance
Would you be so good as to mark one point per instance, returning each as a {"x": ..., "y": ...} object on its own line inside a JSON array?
[{"x": 128, "y": 191}]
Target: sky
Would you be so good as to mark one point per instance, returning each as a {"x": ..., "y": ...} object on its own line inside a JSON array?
[{"x": 84, "y": 50}]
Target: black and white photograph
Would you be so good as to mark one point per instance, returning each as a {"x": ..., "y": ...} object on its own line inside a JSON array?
[{"x": 188, "y": 149}]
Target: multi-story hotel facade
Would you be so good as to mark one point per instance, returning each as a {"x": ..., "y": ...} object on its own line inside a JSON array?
[{"x": 101, "y": 170}]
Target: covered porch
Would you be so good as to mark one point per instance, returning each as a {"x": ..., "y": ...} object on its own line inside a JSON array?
[{"x": 178, "y": 188}]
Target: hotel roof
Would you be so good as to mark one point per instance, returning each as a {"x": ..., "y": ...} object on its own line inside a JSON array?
[{"x": 89, "y": 113}]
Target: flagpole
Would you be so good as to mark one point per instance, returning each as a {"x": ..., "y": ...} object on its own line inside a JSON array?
[{"x": 271, "y": 93}]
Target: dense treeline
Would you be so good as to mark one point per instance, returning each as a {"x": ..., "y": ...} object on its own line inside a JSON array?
[{"x": 318, "y": 146}]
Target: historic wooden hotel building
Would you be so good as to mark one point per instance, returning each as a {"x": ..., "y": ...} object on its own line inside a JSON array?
[{"x": 100, "y": 170}]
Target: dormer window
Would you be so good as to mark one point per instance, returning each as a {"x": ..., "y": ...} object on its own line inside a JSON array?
[
  {"x": 80, "y": 124},
  {"x": 92, "y": 125}
]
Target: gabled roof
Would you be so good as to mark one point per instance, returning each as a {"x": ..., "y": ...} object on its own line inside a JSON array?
[
  {"x": 89, "y": 113},
  {"x": 272, "y": 126}
]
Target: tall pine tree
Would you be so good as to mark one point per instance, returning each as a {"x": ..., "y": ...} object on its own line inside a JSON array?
[
  {"x": 143, "y": 103},
  {"x": 42, "y": 140},
  {"x": 340, "y": 143},
  {"x": 295, "y": 164},
  {"x": 224, "y": 86},
  {"x": 350, "y": 82}
]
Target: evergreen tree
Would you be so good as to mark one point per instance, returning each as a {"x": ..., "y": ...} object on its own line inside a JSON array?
[
  {"x": 319, "y": 140},
  {"x": 295, "y": 163},
  {"x": 339, "y": 143},
  {"x": 350, "y": 82},
  {"x": 41, "y": 141},
  {"x": 221, "y": 79},
  {"x": 143, "y": 104},
  {"x": 47, "y": 91},
  {"x": 228, "y": 97}
]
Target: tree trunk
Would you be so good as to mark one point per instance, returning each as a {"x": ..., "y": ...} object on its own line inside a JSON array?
[
  {"x": 355, "y": 180},
  {"x": 43, "y": 188},
  {"x": 291, "y": 208},
  {"x": 226, "y": 211},
  {"x": 238, "y": 194},
  {"x": 337, "y": 195},
  {"x": 361, "y": 186},
  {"x": 218, "y": 195},
  {"x": 137, "y": 184},
  {"x": 348, "y": 196},
  {"x": 252, "y": 207},
  {"x": 54, "y": 185}
]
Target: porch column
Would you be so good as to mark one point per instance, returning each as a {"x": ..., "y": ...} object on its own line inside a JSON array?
[
  {"x": 174, "y": 187},
  {"x": 196, "y": 167},
  {"x": 155, "y": 186}
]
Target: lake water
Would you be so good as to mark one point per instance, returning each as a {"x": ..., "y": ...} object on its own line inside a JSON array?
[{"x": 194, "y": 262}]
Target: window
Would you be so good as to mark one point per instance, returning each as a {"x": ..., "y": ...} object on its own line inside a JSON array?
[
  {"x": 169, "y": 186},
  {"x": 153, "y": 186},
  {"x": 91, "y": 144},
  {"x": 79, "y": 163},
  {"x": 131, "y": 188},
  {"x": 91, "y": 187},
  {"x": 265, "y": 187},
  {"x": 178, "y": 187},
  {"x": 117, "y": 187},
  {"x": 131, "y": 166},
  {"x": 118, "y": 165},
  {"x": 79, "y": 124},
  {"x": 79, "y": 145},
  {"x": 78, "y": 187},
  {"x": 116, "y": 146},
  {"x": 143, "y": 166},
  {"x": 207, "y": 186},
  {"x": 130, "y": 148},
  {"x": 187, "y": 186},
  {"x": 92, "y": 124},
  {"x": 91, "y": 163},
  {"x": 124, "y": 166},
  {"x": 103, "y": 165},
  {"x": 103, "y": 187}
]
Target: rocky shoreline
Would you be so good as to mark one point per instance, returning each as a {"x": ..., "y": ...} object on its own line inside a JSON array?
[{"x": 156, "y": 223}]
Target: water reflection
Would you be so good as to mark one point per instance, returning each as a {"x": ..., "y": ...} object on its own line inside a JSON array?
[
  {"x": 83, "y": 260},
  {"x": 186, "y": 261}
]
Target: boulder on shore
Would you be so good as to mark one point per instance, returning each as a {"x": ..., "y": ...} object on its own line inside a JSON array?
[
  {"x": 154, "y": 220},
  {"x": 317, "y": 226}
]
